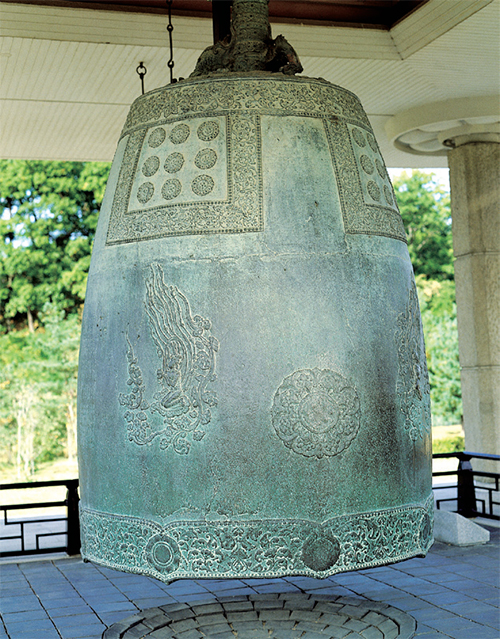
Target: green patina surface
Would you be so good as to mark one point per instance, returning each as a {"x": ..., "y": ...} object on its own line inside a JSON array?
[{"x": 253, "y": 390}]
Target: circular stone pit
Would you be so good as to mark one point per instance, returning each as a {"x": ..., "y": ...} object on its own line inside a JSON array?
[{"x": 269, "y": 616}]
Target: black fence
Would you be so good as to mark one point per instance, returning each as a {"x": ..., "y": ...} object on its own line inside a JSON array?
[
  {"x": 467, "y": 497},
  {"x": 20, "y": 528}
]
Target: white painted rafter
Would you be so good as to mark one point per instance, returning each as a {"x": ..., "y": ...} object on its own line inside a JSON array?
[{"x": 60, "y": 64}]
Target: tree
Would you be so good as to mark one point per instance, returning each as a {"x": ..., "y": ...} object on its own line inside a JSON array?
[
  {"x": 48, "y": 217},
  {"x": 38, "y": 373},
  {"x": 439, "y": 319},
  {"x": 425, "y": 209}
]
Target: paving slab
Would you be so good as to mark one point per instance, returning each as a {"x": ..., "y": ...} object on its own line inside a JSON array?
[
  {"x": 80, "y": 609},
  {"x": 32, "y": 625},
  {"x": 453, "y": 593},
  {"x": 275, "y": 620}
]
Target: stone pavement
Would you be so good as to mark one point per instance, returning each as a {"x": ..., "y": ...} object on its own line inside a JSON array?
[
  {"x": 454, "y": 592},
  {"x": 286, "y": 615}
]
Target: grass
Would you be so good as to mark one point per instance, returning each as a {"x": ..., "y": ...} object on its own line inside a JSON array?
[
  {"x": 447, "y": 439},
  {"x": 58, "y": 469},
  {"x": 444, "y": 439}
]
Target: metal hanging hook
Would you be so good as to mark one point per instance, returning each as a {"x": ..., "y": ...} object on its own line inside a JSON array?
[
  {"x": 170, "y": 28},
  {"x": 141, "y": 72}
]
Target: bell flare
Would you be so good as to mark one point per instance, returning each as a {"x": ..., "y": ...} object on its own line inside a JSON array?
[{"x": 253, "y": 393}]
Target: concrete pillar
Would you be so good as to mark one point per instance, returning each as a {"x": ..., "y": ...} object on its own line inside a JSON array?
[
  {"x": 475, "y": 201},
  {"x": 467, "y": 130}
]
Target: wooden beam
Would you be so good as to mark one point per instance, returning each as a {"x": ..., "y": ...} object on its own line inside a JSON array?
[{"x": 221, "y": 19}]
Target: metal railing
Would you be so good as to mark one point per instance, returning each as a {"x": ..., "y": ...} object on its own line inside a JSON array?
[
  {"x": 72, "y": 531},
  {"x": 467, "y": 499},
  {"x": 467, "y": 505}
]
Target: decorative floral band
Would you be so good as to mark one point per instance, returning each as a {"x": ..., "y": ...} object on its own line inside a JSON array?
[
  {"x": 214, "y": 125},
  {"x": 258, "y": 548},
  {"x": 261, "y": 93}
]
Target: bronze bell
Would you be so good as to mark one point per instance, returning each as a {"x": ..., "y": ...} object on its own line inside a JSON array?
[{"x": 253, "y": 393}]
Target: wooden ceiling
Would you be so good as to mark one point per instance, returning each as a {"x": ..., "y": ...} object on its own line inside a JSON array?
[{"x": 375, "y": 14}]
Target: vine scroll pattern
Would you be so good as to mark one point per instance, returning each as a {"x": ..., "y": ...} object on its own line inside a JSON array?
[{"x": 259, "y": 548}]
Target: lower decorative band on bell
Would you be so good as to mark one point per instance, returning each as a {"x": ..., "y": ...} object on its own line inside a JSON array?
[{"x": 256, "y": 548}]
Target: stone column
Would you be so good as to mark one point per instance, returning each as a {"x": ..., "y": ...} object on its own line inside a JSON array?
[
  {"x": 467, "y": 130},
  {"x": 475, "y": 201}
]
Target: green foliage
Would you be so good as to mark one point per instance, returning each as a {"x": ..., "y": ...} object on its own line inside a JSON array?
[
  {"x": 449, "y": 444},
  {"x": 425, "y": 209},
  {"x": 439, "y": 319},
  {"x": 48, "y": 217},
  {"x": 38, "y": 374}
]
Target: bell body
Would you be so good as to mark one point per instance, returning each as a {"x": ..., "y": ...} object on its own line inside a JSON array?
[{"x": 253, "y": 394}]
